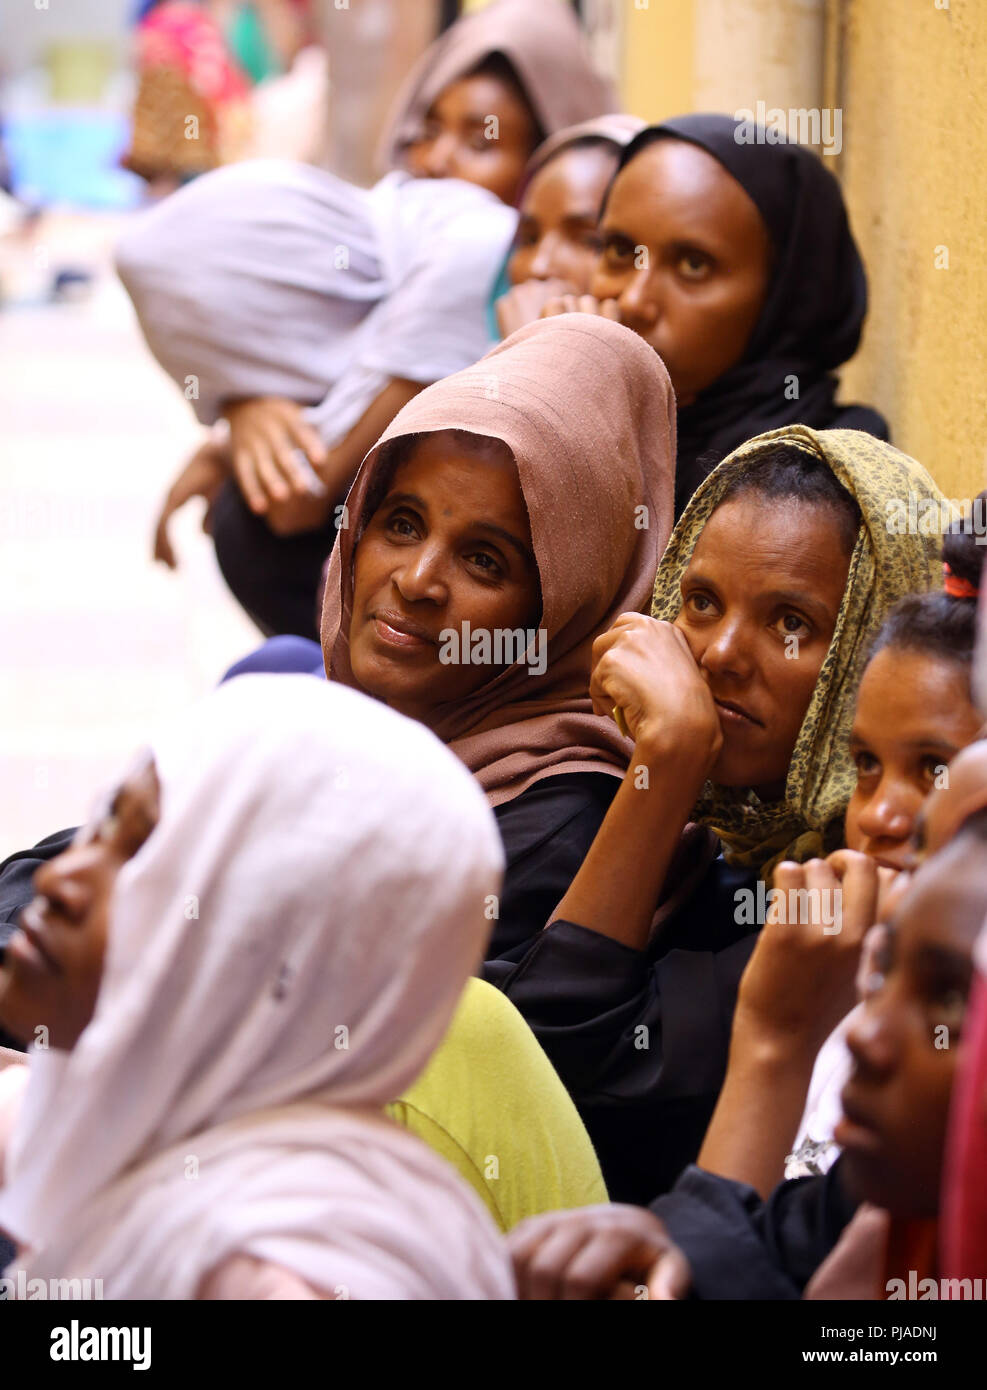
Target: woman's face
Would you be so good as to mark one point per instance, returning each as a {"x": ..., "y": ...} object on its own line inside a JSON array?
[
  {"x": 904, "y": 1040},
  {"x": 477, "y": 129},
  {"x": 54, "y": 962},
  {"x": 687, "y": 256},
  {"x": 760, "y": 599},
  {"x": 450, "y": 544},
  {"x": 913, "y": 716},
  {"x": 557, "y": 236}
]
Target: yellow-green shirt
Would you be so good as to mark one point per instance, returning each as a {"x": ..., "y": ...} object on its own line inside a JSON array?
[{"x": 491, "y": 1103}]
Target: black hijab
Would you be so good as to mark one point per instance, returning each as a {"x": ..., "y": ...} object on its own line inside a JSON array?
[{"x": 814, "y": 311}]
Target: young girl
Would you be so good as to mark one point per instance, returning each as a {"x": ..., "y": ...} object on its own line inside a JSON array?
[
  {"x": 713, "y": 1238},
  {"x": 914, "y": 715},
  {"x": 486, "y": 92},
  {"x": 557, "y": 244}
]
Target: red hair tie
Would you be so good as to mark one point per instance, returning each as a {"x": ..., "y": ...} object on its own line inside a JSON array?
[{"x": 956, "y": 587}]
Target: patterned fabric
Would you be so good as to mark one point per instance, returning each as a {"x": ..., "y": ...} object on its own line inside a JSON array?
[{"x": 885, "y": 565}]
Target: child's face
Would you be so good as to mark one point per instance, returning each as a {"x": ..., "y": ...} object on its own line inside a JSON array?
[
  {"x": 904, "y": 1043},
  {"x": 913, "y": 716},
  {"x": 478, "y": 129}
]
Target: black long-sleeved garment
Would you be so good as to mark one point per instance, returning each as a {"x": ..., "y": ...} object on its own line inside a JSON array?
[
  {"x": 546, "y": 832},
  {"x": 640, "y": 1038},
  {"x": 742, "y": 1247}
]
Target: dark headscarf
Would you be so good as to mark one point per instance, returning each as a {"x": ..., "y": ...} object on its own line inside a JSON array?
[{"x": 815, "y": 307}]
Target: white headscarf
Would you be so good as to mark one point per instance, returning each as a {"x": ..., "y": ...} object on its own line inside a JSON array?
[{"x": 284, "y": 953}]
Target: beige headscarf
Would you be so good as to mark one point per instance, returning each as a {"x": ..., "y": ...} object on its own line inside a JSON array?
[
  {"x": 542, "y": 41},
  {"x": 616, "y": 128},
  {"x": 587, "y": 410},
  {"x": 884, "y": 567}
]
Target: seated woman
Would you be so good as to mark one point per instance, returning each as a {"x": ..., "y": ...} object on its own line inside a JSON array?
[
  {"x": 303, "y": 312},
  {"x": 557, "y": 243},
  {"x": 505, "y": 519},
  {"x": 739, "y": 696},
  {"x": 555, "y": 249},
  {"x": 488, "y": 90},
  {"x": 914, "y": 714},
  {"x": 261, "y": 941},
  {"x": 735, "y": 261},
  {"x": 712, "y": 1238}
]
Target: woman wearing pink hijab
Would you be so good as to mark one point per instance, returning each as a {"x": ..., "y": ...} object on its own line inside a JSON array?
[{"x": 254, "y": 947}]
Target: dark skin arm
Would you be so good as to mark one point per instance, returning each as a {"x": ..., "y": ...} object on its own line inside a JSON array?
[
  {"x": 797, "y": 986},
  {"x": 645, "y": 668}
]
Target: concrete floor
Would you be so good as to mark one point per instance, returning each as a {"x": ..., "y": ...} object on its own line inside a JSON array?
[{"x": 97, "y": 643}]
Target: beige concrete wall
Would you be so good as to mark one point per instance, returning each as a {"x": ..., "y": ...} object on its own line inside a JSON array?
[
  {"x": 720, "y": 55},
  {"x": 372, "y": 46},
  {"x": 912, "y": 80}
]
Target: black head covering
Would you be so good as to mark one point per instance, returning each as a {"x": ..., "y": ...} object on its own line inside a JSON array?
[{"x": 815, "y": 307}]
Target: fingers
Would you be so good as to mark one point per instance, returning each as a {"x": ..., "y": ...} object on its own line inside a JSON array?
[
  {"x": 275, "y": 452},
  {"x": 589, "y": 1253},
  {"x": 670, "y": 1277},
  {"x": 245, "y": 471},
  {"x": 307, "y": 439},
  {"x": 610, "y": 309},
  {"x": 544, "y": 1273},
  {"x": 163, "y": 551},
  {"x": 567, "y": 304},
  {"x": 605, "y": 1261},
  {"x": 788, "y": 878},
  {"x": 858, "y": 885}
]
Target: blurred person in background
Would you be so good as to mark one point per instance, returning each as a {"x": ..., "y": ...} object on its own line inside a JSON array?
[{"x": 197, "y": 61}]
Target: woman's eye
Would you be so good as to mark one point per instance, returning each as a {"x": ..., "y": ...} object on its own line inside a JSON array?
[
  {"x": 618, "y": 252},
  {"x": 693, "y": 266},
  {"x": 931, "y": 769},
  {"x": 700, "y": 603},
  {"x": 866, "y": 764},
  {"x": 793, "y": 625},
  {"x": 484, "y": 562},
  {"x": 402, "y": 526},
  {"x": 592, "y": 242},
  {"x": 481, "y": 144},
  {"x": 947, "y": 1012}
]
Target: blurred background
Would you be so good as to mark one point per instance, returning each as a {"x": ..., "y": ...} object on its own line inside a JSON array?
[{"x": 97, "y": 643}]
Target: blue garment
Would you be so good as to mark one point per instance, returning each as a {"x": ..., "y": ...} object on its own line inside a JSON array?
[
  {"x": 500, "y": 286},
  {"x": 295, "y": 655}
]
